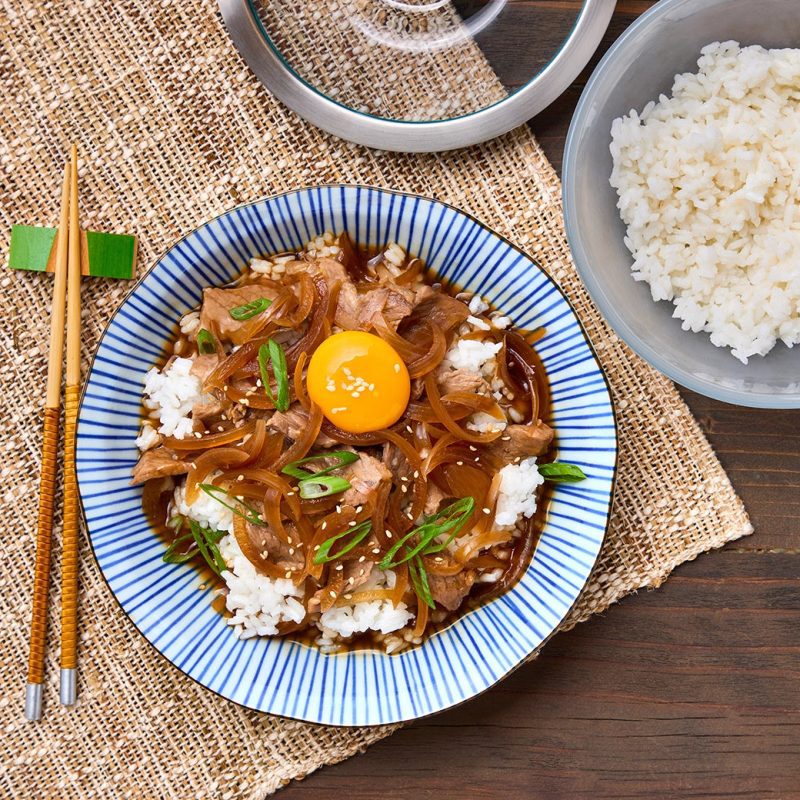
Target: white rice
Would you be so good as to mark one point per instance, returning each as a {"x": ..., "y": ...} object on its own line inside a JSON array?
[
  {"x": 258, "y": 603},
  {"x": 205, "y": 510},
  {"x": 147, "y": 438},
  {"x": 474, "y": 355},
  {"x": 708, "y": 183},
  {"x": 374, "y": 615},
  {"x": 517, "y": 495},
  {"x": 481, "y": 422},
  {"x": 170, "y": 395}
]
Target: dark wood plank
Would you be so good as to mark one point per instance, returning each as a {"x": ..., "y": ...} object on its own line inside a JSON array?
[{"x": 690, "y": 691}]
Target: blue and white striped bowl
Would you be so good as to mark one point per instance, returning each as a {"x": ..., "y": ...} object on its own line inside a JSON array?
[{"x": 284, "y": 677}]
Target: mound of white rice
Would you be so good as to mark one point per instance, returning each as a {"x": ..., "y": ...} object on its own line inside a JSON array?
[
  {"x": 170, "y": 395},
  {"x": 257, "y": 603},
  {"x": 209, "y": 512},
  {"x": 374, "y": 615},
  {"x": 708, "y": 183},
  {"x": 517, "y": 495}
]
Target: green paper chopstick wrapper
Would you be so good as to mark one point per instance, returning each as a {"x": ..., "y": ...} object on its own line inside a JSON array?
[{"x": 104, "y": 255}]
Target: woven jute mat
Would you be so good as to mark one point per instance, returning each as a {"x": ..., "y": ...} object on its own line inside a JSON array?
[{"x": 174, "y": 129}]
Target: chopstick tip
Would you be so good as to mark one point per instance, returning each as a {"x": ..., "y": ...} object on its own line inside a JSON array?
[{"x": 33, "y": 701}]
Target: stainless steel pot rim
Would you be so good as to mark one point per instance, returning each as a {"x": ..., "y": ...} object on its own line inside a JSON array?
[{"x": 261, "y": 55}]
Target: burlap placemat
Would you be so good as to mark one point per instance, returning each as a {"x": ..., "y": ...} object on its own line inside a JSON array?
[{"x": 174, "y": 129}]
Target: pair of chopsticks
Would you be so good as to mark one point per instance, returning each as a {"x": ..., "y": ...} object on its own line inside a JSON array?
[{"x": 67, "y": 287}]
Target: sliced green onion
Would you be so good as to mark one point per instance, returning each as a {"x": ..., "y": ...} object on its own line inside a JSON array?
[
  {"x": 251, "y": 515},
  {"x": 358, "y": 534},
  {"x": 558, "y": 472},
  {"x": 449, "y": 520},
  {"x": 274, "y": 352},
  {"x": 312, "y": 488},
  {"x": 205, "y": 343},
  {"x": 249, "y": 310},
  {"x": 419, "y": 580},
  {"x": 207, "y": 547},
  {"x": 172, "y": 556},
  {"x": 343, "y": 458}
]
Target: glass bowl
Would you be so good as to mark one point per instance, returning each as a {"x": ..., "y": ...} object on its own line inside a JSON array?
[{"x": 640, "y": 65}]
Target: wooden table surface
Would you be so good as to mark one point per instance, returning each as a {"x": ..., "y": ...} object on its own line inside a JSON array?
[{"x": 692, "y": 690}]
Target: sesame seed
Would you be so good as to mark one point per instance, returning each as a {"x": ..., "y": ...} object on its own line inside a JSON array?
[
  {"x": 194, "y": 466},
  {"x": 377, "y": 551},
  {"x": 316, "y": 548},
  {"x": 225, "y": 388},
  {"x": 261, "y": 517},
  {"x": 438, "y": 559},
  {"x": 240, "y": 497},
  {"x": 198, "y": 435},
  {"x": 477, "y": 458},
  {"x": 460, "y": 463},
  {"x": 339, "y": 567},
  {"x": 223, "y": 416},
  {"x": 388, "y": 534},
  {"x": 410, "y": 516},
  {"x": 290, "y": 494},
  {"x": 220, "y": 428},
  {"x": 323, "y": 526},
  {"x": 258, "y": 382},
  {"x": 403, "y": 478},
  {"x": 289, "y": 540},
  {"x": 244, "y": 401},
  {"x": 338, "y": 509},
  {"x": 360, "y": 573},
  {"x": 332, "y": 593},
  {"x": 404, "y": 488},
  {"x": 505, "y": 438},
  {"x": 409, "y": 429},
  {"x": 291, "y": 551},
  {"x": 351, "y": 581},
  {"x": 487, "y": 510},
  {"x": 352, "y": 523},
  {"x": 347, "y": 596},
  {"x": 474, "y": 449},
  {"x": 240, "y": 477},
  {"x": 288, "y": 574},
  {"x": 362, "y": 559},
  {"x": 416, "y": 473},
  {"x": 359, "y": 509}
]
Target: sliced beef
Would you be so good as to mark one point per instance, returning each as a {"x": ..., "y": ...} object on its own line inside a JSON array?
[
  {"x": 272, "y": 547},
  {"x": 450, "y": 590},
  {"x": 207, "y": 409},
  {"x": 158, "y": 463},
  {"x": 461, "y": 380},
  {"x": 217, "y": 304},
  {"x": 521, "y": 441},
  {"x": 203, "y": 365},
  {"x": 365, "y": 475},
  {"x": 357, "y": 310},
  {"x": 434, "y": 499},
  {"x": 293, "y": 422},
  {"x": 435, "y": 309}
]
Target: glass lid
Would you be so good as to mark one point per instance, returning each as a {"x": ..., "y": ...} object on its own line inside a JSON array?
[{"x": 417, "y": 75}]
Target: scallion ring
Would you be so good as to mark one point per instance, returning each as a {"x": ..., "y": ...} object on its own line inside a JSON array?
[
  {"x": 249, "y": 310},
  {"x": 342, "y": 459},
  {"x": 206, "y": 345},
  {"x": 322, "y": 486}
]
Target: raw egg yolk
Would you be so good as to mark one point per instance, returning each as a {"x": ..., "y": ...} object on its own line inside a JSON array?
[{"x": 359, "y": 381}]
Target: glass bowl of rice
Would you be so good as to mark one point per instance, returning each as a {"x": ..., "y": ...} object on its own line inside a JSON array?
[{"x": 682, "y": 195}]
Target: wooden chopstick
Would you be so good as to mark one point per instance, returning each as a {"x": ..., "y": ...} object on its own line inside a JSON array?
[
  {"x": 49, "y": 468},
  {"x": 69, "y": 553}
]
